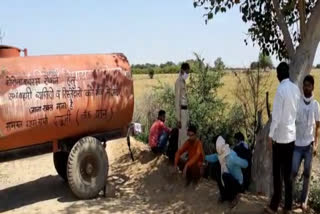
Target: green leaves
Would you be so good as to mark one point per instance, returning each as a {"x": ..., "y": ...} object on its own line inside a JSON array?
[
  {"x": 263, "y": 29},
  {"x": 195, "y": 4},
  {"x": 219, "y": 64},
  {"x": 213, "y": 7},
  {"x": 244, "y": 19},
  {"x": 265, "y": 61},
  {"x": 217, "y": 10},
  {"x": 206, "y": 109}
]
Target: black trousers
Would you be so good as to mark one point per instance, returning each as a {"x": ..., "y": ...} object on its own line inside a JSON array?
[
  {"x": 282, "y": 166},
  {"x": 230, "y": 189},
  {"x": 193, "y": 172},
  {"x": 173, "y": 144}
]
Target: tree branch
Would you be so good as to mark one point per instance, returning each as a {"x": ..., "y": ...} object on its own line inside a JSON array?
[
  {"x": 313, "y": 25},
  {"x": 284, "y": 28},
  {"x": 302, "y": 12}
]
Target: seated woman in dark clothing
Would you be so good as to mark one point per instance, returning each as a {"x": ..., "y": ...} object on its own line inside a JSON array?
[
  {"x": 243, "y": 151},
  {"x": 231, "y": 179}
]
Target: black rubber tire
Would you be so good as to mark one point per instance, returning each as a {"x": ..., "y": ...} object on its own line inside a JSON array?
[
  {"x": 60, "y": 160},
  {"x": 87, "y": 152}
]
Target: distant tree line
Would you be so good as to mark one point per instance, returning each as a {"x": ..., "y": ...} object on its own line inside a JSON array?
[
  {"x": 170, "y": 67},
  {"x": 264, "y": 63},
  {"x": 165, "y": 68}
]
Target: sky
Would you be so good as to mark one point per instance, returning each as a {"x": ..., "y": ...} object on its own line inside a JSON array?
[{"x": 146, "y": 31}]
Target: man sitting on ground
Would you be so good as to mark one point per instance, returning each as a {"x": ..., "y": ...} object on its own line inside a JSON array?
[
  {"x": 158, "y": 137},
  {"x": 231, "y": 178},
  {"x": 192, "y": 166}
]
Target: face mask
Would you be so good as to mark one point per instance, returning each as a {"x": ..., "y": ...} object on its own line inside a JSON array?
[
  {"x": 185, "y": 76},
  {"x": 308, "y": 100}
]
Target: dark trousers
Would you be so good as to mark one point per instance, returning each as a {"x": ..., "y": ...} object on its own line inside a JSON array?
[
  {"x": 193, "y": 172},
  {"x": 173, "y": 144},
  {"x": 230, "y": 187},
  {"x": 162, "y": 144},
  {"x": 282, "y": 165}
]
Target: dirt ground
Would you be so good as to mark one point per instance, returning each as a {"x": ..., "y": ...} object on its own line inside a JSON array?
[{"x": 31, "y": 185}]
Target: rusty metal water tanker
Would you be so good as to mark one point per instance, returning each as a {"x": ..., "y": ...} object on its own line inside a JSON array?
[{"x": 74, "y": 101}]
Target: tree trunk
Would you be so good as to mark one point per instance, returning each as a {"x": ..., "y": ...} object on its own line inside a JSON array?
[
  {"x": 262, "y": 163},
  {"x": 302, "y": 62}
]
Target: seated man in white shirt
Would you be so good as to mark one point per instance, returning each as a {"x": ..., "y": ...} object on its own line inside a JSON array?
[
  {"x": 307, "y": 125},
  {"x": 281, "y": 138}
]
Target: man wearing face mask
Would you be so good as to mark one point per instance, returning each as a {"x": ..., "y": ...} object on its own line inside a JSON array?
[
  {"x": 307, "y": 126},
  {"x": 181, "y": 103},
  {"x": 282, "y": 136}
]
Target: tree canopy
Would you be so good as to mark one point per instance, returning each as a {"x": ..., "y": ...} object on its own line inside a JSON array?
[
  {"x": 289, "y": 29},
  {"x": 219, "y": 64},
  {"x": 265, "y": 61}
]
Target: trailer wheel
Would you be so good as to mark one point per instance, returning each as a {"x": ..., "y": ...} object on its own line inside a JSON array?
[
  {"x": 87, "y": 168},
  {"x": 60, "y": 160}
]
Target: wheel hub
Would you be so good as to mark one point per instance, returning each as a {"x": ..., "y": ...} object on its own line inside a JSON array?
[{"x": 89, "y": 167}]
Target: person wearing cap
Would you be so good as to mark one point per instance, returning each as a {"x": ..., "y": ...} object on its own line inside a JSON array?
[
  {"x": 181, "y": 103},
  {"x": 192, "y": 166},
  {"x": 231, "y": 179}
]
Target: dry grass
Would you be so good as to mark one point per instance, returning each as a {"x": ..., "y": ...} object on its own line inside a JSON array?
[{"x": 143, "y": 84}]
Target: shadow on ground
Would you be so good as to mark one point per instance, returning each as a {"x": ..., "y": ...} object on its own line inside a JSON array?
[
  {"x": 26, "y": 152},
  {"x": 143, "y": 186},
  {"x": 42, "y": 189},
  {"x": 159, "y": 191}
]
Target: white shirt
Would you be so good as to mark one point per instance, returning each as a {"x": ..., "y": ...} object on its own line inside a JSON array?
[
  {"x": 284, "y": 112},
  {"x": 307, "y": 116}
]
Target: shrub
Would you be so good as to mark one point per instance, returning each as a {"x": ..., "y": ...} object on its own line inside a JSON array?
[
  {"x": 254, "y": 65},
  {"x": 250, "y": 93},
  {"x": 234, "y": 122},
  {"x": 265, "y": 62},
  {"x": 146, "y": 110},
  {"x": 206, "y": 109},
  {"x": 314, "y": 190},
  {"x": 151, "y": 73},
  {"x": 219, "y": 64},
  {"x": 314, "y": 197}
]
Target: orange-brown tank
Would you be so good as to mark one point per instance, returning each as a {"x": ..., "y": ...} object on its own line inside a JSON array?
[{"x": 47, "y": 98}]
